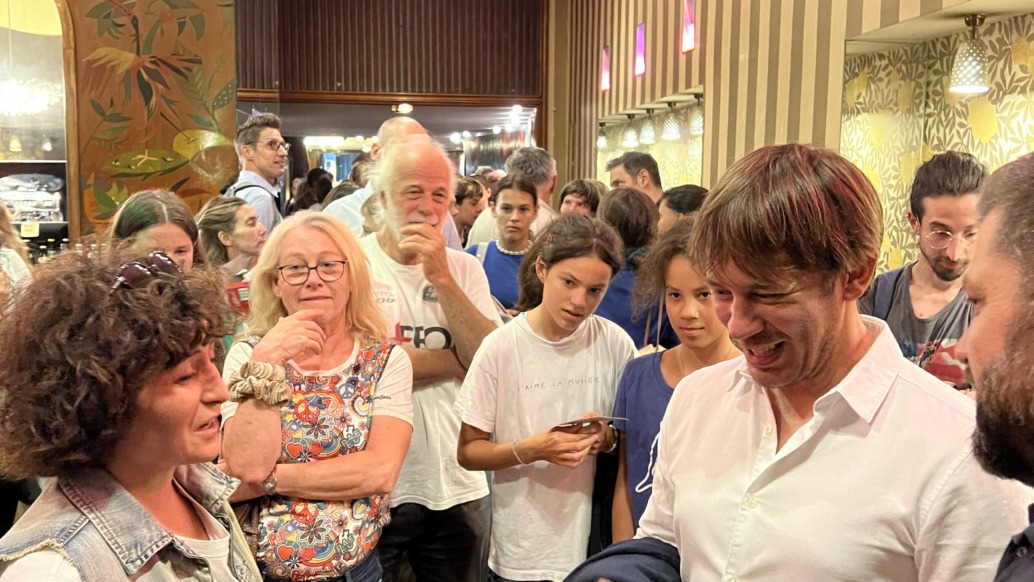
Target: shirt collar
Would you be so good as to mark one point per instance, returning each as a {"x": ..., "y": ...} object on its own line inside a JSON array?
[
  {"x": 131, "y": 532},
  {"x": 867, "y": 384}
]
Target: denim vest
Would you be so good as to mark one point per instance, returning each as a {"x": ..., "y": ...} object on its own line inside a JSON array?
[{"x": 107, "y": 535}]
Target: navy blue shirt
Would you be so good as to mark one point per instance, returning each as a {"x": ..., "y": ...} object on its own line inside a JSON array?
[
  {"x": 501, "y": 270},
  {"x": 1018, "y": 562},
  {"x": 642, "y": 398},
  {"x": 617, "y": 307}
]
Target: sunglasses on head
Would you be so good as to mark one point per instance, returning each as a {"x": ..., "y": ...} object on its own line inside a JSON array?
[{"x": 137, "y": 273}]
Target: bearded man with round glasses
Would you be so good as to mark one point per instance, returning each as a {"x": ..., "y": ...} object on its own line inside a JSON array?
[{"x": 923, "y": 302}]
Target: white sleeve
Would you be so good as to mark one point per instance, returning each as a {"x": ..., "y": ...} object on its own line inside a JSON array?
[
  {"x": 261, "y": 201},
  {"x": 17, "y": 270},
  {"x": 477, "y": 398},
  {"x": 658, "y": 521},
  {"x": 393, "y": 395},
  {"x": 452, "y": 236},
  {"x": 483, "y": 230},
  {"x": 966, "y": 524},
  {"x": 239, "y": 353},
  {"x": 349, "y": 209},
  {"x": 474, "y": 283},
  {"x": 41, "y": 566}
]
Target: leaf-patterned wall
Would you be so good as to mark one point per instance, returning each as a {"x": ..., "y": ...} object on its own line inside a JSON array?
[
  {"x": 897, "y": 113},
  {"x": 155, "y": 100}
]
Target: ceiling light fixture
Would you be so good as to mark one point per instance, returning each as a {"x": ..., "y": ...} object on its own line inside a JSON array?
[
  {"x": 969, "y": 71},
  {"x": 647, "y": 133},
  {"x": 403, "y": 108},
  {"x": 670, "y": 130},
  {"x": 631, "y": 139},
  {"x": 696, "y": 118},
  {"x": 456, "y": 138},
  {"x": 496, "y": 130},
  {"x": 601, "y": 138}
]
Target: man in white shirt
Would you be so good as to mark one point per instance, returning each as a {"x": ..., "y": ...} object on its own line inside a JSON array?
[
  {"x": 438, "y": 307},
  {"x": 997, "y": 344},
  {"x": 822, "y": 453},
  {"x": 263, "y": 155},
  {"x": 349, "y": 209},
  {"x": 537, "y": 165}
]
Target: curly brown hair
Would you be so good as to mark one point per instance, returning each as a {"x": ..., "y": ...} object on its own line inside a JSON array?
[
  {"x": 74, "y": 355},
  {"x": 650, "y": 280}
]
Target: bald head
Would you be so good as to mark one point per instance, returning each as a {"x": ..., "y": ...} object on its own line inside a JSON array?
[{"x": 393, "y": 130}]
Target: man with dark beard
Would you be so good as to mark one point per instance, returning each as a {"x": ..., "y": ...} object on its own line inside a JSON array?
[
  {"x": 923, "y": 303},
  {"x": 997, "y": 345}
]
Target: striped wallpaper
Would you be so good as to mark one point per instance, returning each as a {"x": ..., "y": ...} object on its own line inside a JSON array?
[{"x": 771, "y": 71}]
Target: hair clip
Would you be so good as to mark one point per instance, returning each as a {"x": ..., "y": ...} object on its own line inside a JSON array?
[{"x": 549, "y": 239}]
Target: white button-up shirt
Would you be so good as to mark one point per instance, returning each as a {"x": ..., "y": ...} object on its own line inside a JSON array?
[{"x": 881, "y": 484}]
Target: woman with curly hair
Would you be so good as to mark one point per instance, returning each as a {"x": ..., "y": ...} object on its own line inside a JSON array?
[
  {"x": 322, "y": 411},
  {"x": 108, "y": 385}
]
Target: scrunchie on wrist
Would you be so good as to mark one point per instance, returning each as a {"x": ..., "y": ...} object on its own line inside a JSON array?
[{"x": 260, "y": 380}]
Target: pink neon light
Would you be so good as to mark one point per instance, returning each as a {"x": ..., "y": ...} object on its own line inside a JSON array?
[
  {"x": 605, "y": 70},
  {"x": 640, "y": 50},
  {"x": 689, "y": 28}
]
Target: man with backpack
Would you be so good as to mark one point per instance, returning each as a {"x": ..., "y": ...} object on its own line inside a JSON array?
[
  {"x": 263, "y": 154},
  {"x": 923, "y": 302}
]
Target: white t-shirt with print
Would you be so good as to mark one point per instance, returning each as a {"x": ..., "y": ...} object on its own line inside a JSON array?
[
  {"x": 431, "y": 476},
  {"x": 520, "y": 384}
]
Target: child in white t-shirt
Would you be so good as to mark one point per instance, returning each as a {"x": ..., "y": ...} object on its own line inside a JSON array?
[{"x": 554, "y": 363}]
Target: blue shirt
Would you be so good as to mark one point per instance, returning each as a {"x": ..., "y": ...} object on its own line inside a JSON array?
[
  {"x": 617, "y": 307},
  {"x": 642, "y": 398},
  {"x": 501, "y": 270}
]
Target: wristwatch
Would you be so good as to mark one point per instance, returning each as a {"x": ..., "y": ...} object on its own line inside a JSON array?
[{"x": 269, "y": 483}]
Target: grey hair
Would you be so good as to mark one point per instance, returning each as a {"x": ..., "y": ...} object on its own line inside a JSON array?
[{"x": 533, "y": 163}]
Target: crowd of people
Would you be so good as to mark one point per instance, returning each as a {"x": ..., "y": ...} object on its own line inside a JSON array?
[{"x": 443, "y": 378}]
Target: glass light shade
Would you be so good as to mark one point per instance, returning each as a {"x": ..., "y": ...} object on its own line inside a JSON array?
[
  {"x": 601, "y": 140},
  {"x": 969, "y": 72},
  {"x": 671, "y": 129},
  {"x": 696, "y": 122},
  {"x": 647, "y": 133},
  {"x": 631, "y": 139}
]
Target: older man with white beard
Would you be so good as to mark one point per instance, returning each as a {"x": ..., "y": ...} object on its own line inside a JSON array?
[{"x": 438, "y": 306}]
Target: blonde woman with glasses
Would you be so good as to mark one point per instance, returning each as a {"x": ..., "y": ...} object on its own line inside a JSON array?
[{"x": 321, "y": 414}]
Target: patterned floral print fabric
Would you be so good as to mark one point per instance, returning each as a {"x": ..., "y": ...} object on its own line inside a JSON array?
[{"x": 329, "y": 415}]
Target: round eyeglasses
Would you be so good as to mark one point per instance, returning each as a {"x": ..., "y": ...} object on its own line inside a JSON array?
[
  {"x": 940, "y": 239},
  {"x": 274, "y": 145},
  {"x": 298, "y": 273}
]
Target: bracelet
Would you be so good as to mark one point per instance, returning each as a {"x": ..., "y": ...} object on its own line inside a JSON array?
[
  {"x": 260, "y": 380},
  {"x": 614, "y": 445},
  {"x": 517, "y": 455}
]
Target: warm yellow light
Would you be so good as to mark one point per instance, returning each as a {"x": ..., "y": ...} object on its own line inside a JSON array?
[{"x": 31, "y": 16}]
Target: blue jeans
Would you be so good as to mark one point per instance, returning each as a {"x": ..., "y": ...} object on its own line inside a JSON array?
[
  {"x": 450, "y": 545},
  {"x": 369, "y": 570}
]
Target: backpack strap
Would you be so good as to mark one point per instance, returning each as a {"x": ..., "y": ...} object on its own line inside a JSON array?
[
  {"x": 240, "y": 186},
  {"x": 883, "y": 292},
  {"x": 482, "y": 251}
]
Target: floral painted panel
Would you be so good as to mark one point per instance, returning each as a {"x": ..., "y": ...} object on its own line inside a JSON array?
[
  {"x": 897, "y": 113},
  {"x": 156, "y": 92}
]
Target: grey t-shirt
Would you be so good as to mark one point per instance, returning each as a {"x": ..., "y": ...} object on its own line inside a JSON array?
[{"x": 929, "y": 343}]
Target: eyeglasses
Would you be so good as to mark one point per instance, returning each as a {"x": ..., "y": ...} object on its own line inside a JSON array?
[
  {"x": 298, "y": 274},
  {"x": 136, "y": 274},
  {"x": 274, "y": 145},
  {"x": 940, "y": 239}
]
